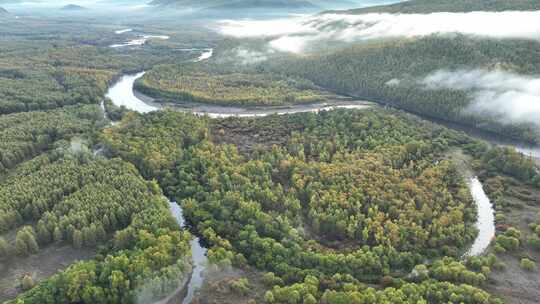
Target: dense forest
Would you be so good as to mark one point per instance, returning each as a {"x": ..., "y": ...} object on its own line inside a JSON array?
[
  {"x": 199, "y": 82},
  {"x": 332, "y": 207},
  {"x": 25, "y": 135},
  {"x": 390, "y": 72},
  {"x": 55, "y": 193},
  {"x": 46, "y": 70},
  {"x": 68, "y": 196},
  {"x": 324, "y": 214}
]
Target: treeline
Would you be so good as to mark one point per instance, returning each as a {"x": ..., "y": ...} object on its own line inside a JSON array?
[
  {"x": 508, "y": 161},
  {"x": 87, "y": 202},
  {"x": 390, "y": 72},
  {"x": 25, "y": 135},
  {"x": 352, "y": 197},
  {"x": 199, "y": 82}
]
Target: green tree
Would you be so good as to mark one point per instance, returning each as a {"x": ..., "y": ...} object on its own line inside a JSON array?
[
  {"x": 57, "y": 234},
  {"x": 20, "y": 245},
  {"x": 43, "y": 234}
]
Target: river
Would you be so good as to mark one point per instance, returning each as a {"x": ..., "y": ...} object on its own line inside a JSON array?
[
  {"x": 122, "y": 94},
  {"x": 485, "y": 222},
  {"x": 198, "y": 254},
  {"x": 140, "y": 40}
]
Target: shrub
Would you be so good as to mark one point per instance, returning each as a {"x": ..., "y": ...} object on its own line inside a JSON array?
[
  {"x": 5, "y": 248},
  {"x": 527, "y": 264},
  {"x": 508, "y": 242},
  {"x": 270, "y": 279},
  {"x": 499, "y": 249},
  {"x": 240, "y": 286},
  {"x": 269, "y": 297},
  {"x": 513, "y": 232},
  {"x": 27, "y": 282},
  {"x": 534, "y": 242}
]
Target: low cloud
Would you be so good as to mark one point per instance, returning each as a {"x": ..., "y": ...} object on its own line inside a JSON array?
[
  {"x": 297, "y": 33},
  {"x": 511, "y": 97},
  {"x": 247, "y": 56}
]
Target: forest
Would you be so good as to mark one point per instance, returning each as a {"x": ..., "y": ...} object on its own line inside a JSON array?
[
  {"x": 317, "y": 211},
  {"x": 57, "y": 192},
  {"x": 432, "y": 6},
  {"x": 70, "y": 196},
  {"x": 200, "y": 82},
  {"x": 389, "y": 72},
  {"x": 361, "y": 206},
  {"x": 58, "y": 66},
  {"x": 25, "y": 135}
]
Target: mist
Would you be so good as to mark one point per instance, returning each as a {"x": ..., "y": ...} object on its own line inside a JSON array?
[
  {"x": 247, "y": 56},
  {"x": 510, "y": 97},
  {"x": 89, "y": 8},
  {"x": 299, "y": 33}
]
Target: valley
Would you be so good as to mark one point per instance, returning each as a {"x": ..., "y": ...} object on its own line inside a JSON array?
[{"x": 177, "y": 152}]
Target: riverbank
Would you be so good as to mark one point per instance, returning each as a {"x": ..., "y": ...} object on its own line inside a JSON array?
[
  {"x": 518, "y": 206},
  {"x": 123, "y": 93},
  {"x": 485, "y": 222}
]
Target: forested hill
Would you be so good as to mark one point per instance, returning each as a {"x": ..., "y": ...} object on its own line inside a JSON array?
[
  {"x": 390, "y": 72},
  {"x": 237, "y": 4},
  {"x": 73, "y": 7},
  {"x": 431, "y": 6}
]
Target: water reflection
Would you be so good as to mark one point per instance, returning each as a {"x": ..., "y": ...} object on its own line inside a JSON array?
[{"x": 485, "y": 222}]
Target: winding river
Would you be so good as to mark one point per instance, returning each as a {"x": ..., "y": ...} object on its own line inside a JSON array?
[
  {"x": 140, "y": 40},
  {"x": 122, "y": 94},
  {"x": 485, "y": 222},
  {"x": 198, "y": 254}
]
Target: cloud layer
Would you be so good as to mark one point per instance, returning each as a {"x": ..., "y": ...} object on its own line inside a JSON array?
[
  {"x": 511, "y": 97},
  {"x": 295, "y": 34}
]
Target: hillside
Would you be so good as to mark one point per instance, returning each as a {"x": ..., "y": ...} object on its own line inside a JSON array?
[
  {"x": 73, "y": 7},
  {"x": 392, "y": 73},
  {"x": 273, "y": 4},
  {"x": 430, "y": 6},
  {"x": 237, "y": 4}
]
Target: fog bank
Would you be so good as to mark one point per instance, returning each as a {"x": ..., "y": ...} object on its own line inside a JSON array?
[
  {"x": 511, "y": 97},
  {"x": 295, "y": 34}
]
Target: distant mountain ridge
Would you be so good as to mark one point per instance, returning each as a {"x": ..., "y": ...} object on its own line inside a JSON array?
[
  {"x": 235, "y": 4},
  {"x": 3, "y": 11},
  {"x": 73, "y": 7},
  {"x": 431, "y": 6}
]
